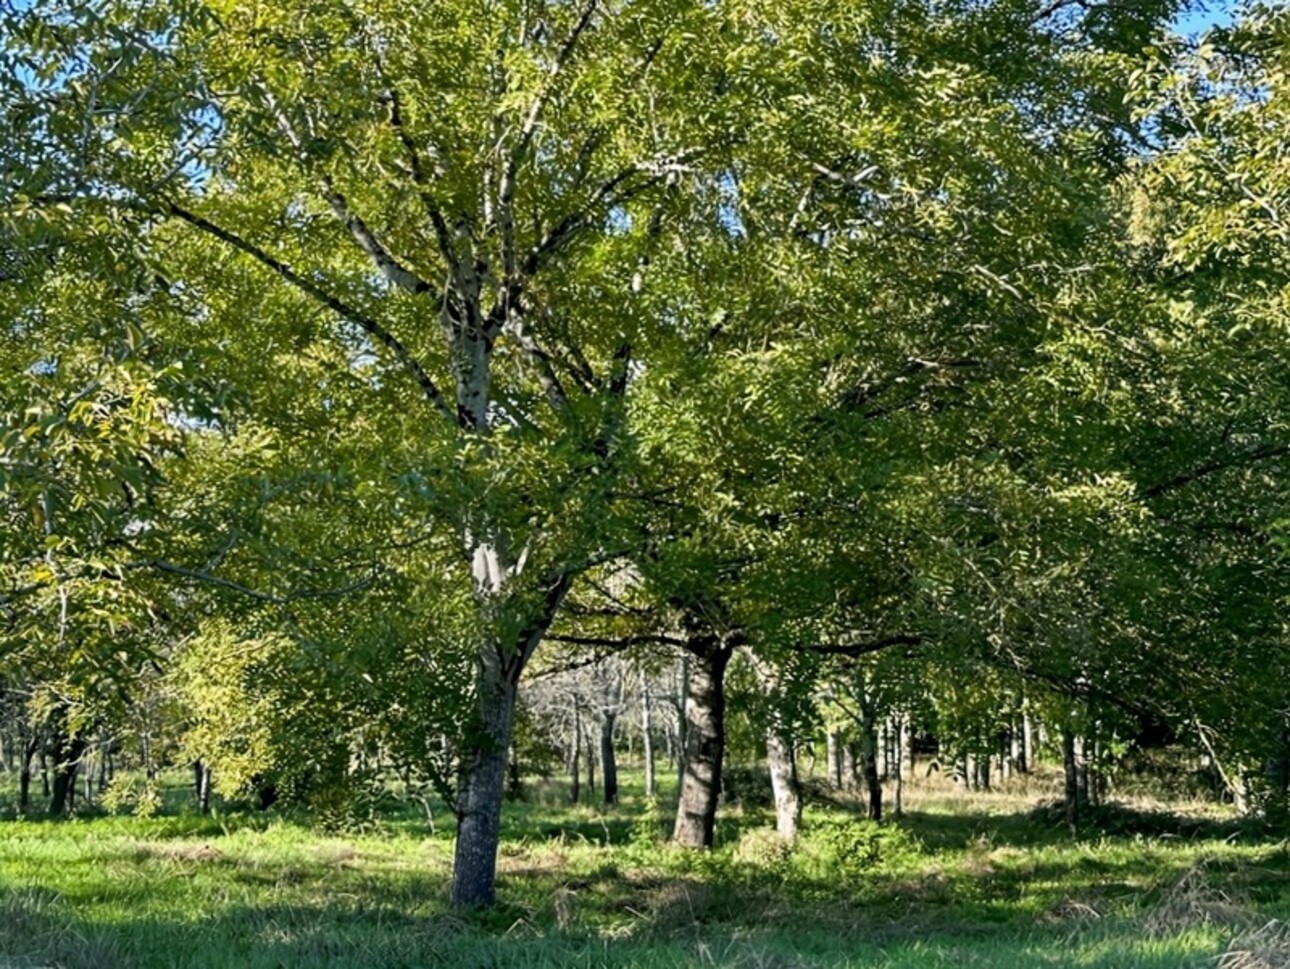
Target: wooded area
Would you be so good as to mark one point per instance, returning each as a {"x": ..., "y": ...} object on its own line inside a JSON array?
[{"x": 449, "y": 396}]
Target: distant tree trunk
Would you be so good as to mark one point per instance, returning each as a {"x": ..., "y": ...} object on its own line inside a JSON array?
[
  {"x": 575, "y": 759},
  {"x": 45, "y": 790},
  {"x": 781, "y": 758},
  {"x": 682, "y": 724},
  {"x": 608, "y": 763},
  {"x": 68, "y": 751},
  {"x": 833, "y": 757},
  {"x": 902, "y": 743},
  {"x": 204, "y": 789},
  {"x": 647, "y": 736},
  {"x": 1075, "y": 774},
  {"x": 705, "y": 717},
  {"x": 869, "y": 758},
  {"x": 784, "y": 783},
  {"x": 1027, "y": 763},
  {"x": 105, "y": 758},
  {"x": 591, "y": 763},
  {"x": 24, "y": 773}
]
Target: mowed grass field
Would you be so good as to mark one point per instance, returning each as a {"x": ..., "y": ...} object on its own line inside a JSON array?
[{"x": 960, "y": 881}]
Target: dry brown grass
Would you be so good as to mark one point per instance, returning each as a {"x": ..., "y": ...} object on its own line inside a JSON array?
[{"x": 1265, "y": 947}]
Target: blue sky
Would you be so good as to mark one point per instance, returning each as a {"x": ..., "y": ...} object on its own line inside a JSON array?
[{"x": 1207, "y": 13}]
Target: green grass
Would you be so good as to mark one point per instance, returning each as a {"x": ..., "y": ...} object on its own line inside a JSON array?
[{"x": 964, "y": 882}]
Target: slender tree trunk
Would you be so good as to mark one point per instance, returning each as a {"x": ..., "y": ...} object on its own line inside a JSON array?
[
  {"x": 1027, "y": 740},
  {"x": 45, "y": 790},
  {"x": 869, "y": 759},
  {"x": 24, "y": 774},
  {"x": 899, "y": 761},
  {"x": 608, "y": 763},
  {"x": 1075, "y": 775},
  {"x": 705, "y": 716},
  {"x": 575, "y": 760},
  {"x": 204, "y": 791},
  {"x": 682, "y": 724},
  {"x": 833, "y": 757},
  {"x": 647, "y": 736}
]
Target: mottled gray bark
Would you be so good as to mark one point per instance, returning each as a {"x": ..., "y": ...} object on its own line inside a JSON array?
[{"x": 705, "y": 717}]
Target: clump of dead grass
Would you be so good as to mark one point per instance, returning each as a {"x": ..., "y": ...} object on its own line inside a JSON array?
[
  {"x": 1193, "y": 902},
  {"x": 1264, "y": 947}
]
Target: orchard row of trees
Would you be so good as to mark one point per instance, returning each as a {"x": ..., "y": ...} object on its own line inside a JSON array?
[{"x": 359, "y": 357}]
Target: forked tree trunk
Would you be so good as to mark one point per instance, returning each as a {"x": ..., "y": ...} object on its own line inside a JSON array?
[
  {"x": 705, "y": 717},
  {"x": 608, "y": 763}
]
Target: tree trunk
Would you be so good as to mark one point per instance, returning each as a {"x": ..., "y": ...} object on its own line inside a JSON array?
[
  {"x": 833, "y": 757},
  {"x": 705, "y": 716},
  {"x": 575, "y": 760},
  {"x": 608, "y": 763},
  {"x": 1075, "y": 774},
  {"x": 482, "y": 784},
  {"x": 24, "y": 774},
  {"x": 67, "y": 760},
  {"x": 647, "y": 737},
  {"x": 682, "y": 725},
  {"x": 901, "y": 735},
  {"x": 1027, "y": 742},
  {"x": 479, "y": 802},
  {"x": 869, "y": 759},
  {"x": 784, "y": 783},
  {"x": 202, "y": 786}
]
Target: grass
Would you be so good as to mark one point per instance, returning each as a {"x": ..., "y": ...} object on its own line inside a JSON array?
[{"x": 962, "y": 881}]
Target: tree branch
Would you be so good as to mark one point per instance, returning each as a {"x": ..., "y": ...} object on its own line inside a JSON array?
[
  {"x": 1214, "y": 467},
  {"x": 370, "y": 326},
  {"x": 855, "y": 650}
]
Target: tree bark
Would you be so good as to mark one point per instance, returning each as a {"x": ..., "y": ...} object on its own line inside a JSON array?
[
  {"x": 575, "y": 759},
  {"x": 483, "y": 772},
  {"x": 705, "y": 716},
  {"x": 68, "y": 751},
  {"x": 24, "y": 774},
  {"x": 479, "y": 804},
  {"x": 833, "y": 758},
  {"x": 608, "y": 763},
  {"x": 869, "y": 759},
  {"x": 784, "y": 783},
  {"x": 647, "y": 736},
  {"x": 1075, "y": 775}
]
